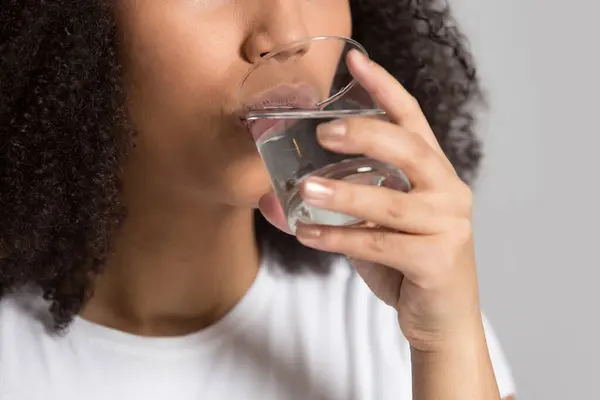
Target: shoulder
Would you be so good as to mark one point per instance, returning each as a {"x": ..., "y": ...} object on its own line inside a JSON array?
[
  {"x": 24, "y": 322},
  {"x": 24, "y": 308}
]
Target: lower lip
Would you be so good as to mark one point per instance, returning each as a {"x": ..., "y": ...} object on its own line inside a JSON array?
[{"x": 260, "y": 127}]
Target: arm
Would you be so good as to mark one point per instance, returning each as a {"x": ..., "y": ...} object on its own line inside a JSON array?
[
  {"x": 461, "y": 369},
  {"x": 417, "y": 255}
]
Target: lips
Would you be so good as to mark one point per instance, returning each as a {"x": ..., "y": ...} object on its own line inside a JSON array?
[
  {"x": 283, "y": 97},
  {"x": 264, "y": 128},
  {"x": 296, "y": 96}
]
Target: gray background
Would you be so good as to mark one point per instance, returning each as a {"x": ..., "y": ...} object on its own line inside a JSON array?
[{"x": 537, "y": 201}]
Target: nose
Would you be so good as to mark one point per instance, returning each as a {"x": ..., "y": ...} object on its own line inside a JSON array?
[{"x": 276, "y": 23}]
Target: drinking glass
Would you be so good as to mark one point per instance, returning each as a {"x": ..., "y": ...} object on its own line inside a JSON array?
[{"x": 284, "y": 97}]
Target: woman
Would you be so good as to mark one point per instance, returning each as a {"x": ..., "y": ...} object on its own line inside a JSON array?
[{"x": 133, "y": 260}]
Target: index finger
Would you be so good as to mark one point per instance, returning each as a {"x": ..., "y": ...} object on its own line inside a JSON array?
[{"x": 402, "y": 108}]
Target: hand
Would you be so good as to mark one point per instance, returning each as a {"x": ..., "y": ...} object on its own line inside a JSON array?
[{"x": 420, "y": 258}]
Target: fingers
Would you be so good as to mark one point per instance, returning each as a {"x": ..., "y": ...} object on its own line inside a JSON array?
[
  {"x": 387, "y": 143},
  {"x": 402, "y": 108},
  {"x": 403, "y": 252},
  {"x": 410, "y": 213}
]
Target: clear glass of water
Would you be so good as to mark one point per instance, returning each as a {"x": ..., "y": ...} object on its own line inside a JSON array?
[{"x": 284, "y": 97}]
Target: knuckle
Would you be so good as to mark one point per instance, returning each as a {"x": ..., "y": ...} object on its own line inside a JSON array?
[
  {"x": 412, "y": 104},
  {"x": 396, "y": 208},
  {"x": 468, "y": 196},
  {"x": 420, "y": 151},
  {"x": 463, "y": 230},
  {"x": 378, "y": 242},
  {"x": 459, "y": 233},
  {"x": 465, "y": 196}
]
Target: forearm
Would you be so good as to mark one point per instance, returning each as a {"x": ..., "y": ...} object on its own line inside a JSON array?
[{"x": 459, "y": 370}]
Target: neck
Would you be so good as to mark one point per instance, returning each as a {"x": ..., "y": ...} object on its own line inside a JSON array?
[{"x": 178, "y": 267}]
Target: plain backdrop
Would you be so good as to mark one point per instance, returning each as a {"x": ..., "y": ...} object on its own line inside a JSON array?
[{"x": 537, "y": 211}]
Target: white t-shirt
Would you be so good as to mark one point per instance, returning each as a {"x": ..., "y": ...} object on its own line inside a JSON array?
[{"x": 291, "y": 337}]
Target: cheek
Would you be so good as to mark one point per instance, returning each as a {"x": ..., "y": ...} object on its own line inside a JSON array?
[
  {"x": 176, "y": 61},
  {"x": 182, "y": 71},
  {"x": 329, "y": 18}
]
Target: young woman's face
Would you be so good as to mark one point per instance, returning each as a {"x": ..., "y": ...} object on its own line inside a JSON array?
[{"x": 184, "y": 60}]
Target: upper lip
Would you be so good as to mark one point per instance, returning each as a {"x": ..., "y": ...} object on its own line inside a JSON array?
[{"x": 285, "y": 95}]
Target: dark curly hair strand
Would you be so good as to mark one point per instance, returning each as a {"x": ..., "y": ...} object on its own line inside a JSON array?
[{"x": 64, "y": 131}]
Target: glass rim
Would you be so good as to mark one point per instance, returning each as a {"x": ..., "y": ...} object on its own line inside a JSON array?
[
  {"x": 284, "y": 113},
  {"x": 286, "y": 46}
]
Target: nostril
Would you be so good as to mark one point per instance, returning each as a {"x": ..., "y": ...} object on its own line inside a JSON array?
[{"x": 291, "y": 54}]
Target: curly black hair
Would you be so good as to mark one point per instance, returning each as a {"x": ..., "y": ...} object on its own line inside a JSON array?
[{"x": 64, "y": 131}]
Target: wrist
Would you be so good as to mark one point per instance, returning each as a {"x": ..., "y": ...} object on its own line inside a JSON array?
[
  {"x": 459, "y": 340},
  {"x": 456, "y": 367},
  {"x": 459, "y": 330}
]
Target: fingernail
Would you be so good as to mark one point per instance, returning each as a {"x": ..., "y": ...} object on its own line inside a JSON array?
[
  {"x": 308, "y": 232},
  {"x": 317, "y": 190},
  {"x": 362, "y": 60},
  {"x": 332, "y": 131}
]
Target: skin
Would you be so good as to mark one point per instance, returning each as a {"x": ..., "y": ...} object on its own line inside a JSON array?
[{"x": 194, "y": 177}]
